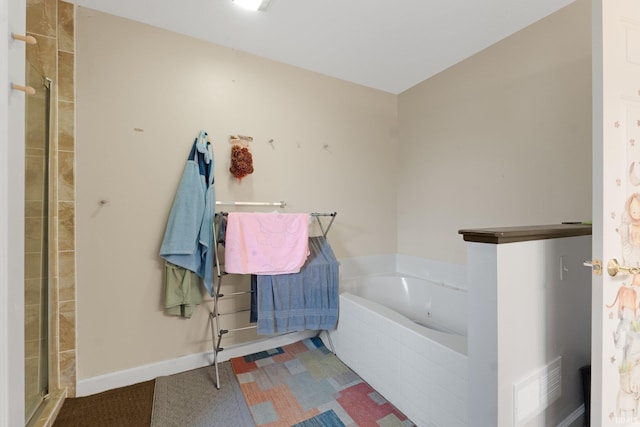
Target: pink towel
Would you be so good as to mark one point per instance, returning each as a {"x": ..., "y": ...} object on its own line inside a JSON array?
[{"x": 266, "y": 243}]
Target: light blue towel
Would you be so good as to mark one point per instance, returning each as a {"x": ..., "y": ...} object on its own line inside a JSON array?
[
  {"x": 188, "y": 238},
  {"x": 307, "y": 300}
]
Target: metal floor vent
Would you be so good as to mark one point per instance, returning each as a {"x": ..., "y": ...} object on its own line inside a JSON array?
[{"x": 535, "y": 393}]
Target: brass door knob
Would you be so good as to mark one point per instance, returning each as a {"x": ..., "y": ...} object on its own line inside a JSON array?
[{"x": 614, "y": 268}]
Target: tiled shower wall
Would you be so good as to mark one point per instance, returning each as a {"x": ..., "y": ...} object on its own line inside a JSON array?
[{"x": 51, "y": 22}]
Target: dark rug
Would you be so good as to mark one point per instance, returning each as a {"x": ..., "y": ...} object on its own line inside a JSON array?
[
  {"x": 305, "y": 385},
  {"x": 123, "y": 407},
  {"x": 190, "y": 399}
]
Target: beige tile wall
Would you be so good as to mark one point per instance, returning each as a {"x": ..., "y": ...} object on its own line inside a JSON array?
[{"x": 52, "y": 23}]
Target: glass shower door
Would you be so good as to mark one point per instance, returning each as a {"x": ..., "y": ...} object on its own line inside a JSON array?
[{"x": 36, "y": 286}]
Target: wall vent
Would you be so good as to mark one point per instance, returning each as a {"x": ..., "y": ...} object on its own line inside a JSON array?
[{"x": 535, "y": 393}]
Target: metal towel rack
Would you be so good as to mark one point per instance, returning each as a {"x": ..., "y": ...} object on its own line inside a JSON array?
[
  {"x": 214, "y": 315},
  {"x": 280, "y": 204}
]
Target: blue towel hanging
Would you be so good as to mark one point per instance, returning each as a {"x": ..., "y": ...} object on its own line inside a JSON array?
[{"x": 307, "y": 300}]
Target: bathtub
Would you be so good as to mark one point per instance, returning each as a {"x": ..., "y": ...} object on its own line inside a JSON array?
[{"x": 406, "y": 337}]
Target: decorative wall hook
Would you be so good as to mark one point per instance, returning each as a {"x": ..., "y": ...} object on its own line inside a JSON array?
[
  {"x": 27, "y": 39},
  {"x": 26, "y": 89}
]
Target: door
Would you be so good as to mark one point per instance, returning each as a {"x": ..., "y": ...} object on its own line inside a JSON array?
[{"x": 615, "y": 364}]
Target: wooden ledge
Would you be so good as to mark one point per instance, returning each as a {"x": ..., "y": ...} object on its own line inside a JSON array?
[{"x": 500, "y": 235}]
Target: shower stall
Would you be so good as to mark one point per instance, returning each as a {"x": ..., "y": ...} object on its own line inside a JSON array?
[
  {"x": 49, "y": 210},
  {"x": 38, "y": 243}
]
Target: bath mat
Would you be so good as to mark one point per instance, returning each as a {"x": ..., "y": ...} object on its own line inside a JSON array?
[
  {"x": 191, "y": 399},
  {"x": 305, "y": 385},
  {"x": 122, "y": 407}
]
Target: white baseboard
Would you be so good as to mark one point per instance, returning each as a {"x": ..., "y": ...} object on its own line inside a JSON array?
[
  {"x": 93, "y": 385},
  {"x": 572, "y": 417}
]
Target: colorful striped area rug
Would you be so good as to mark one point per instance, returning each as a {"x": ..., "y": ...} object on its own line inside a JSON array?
[{"x": 305, "y": 385}]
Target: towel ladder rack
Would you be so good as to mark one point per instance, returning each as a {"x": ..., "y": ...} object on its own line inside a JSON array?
[{"x": 217, "y": 332}]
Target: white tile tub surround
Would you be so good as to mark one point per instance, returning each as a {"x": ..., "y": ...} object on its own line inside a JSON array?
[
  {"x": 422, "y": 377},
  {"x": 438, "y": 271},
  {"x": 372, "y": 265},
  {"x": 454, "y": 275}
]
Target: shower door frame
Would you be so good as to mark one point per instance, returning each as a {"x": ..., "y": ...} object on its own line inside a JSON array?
[{"x": 47, "y": 249}]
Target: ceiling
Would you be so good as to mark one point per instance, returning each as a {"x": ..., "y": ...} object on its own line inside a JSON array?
[{"x": 390, "y": 45}]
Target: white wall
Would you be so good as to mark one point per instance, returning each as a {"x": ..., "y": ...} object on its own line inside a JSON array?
[
  {"x": 500, "y": 139},
  {"x": 523, "y": 316},
  {"x": 334, "y": 149},
  {"x": 12, "y": 20}
]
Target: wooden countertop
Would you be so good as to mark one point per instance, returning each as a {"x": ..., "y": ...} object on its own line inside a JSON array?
[{"x": 500, "y": 235}]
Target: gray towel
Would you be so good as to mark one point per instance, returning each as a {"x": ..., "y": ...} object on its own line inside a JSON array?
[{"x": 307, "y": 300}]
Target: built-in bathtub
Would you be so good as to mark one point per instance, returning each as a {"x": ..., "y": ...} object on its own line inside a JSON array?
[{"x": 406, "y": 337}]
